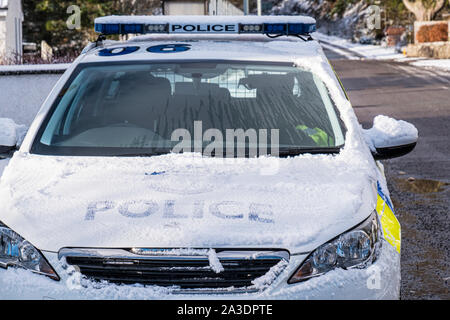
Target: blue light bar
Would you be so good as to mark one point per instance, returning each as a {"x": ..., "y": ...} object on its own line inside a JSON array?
[
  {"x": 301, "y": 28},
  {"x": 128, "y": 28},
  {"x": 271, "y": 25},
  {"x": 275, "y": 28}
]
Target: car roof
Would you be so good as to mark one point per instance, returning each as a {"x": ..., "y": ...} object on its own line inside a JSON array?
[{"x": 211, "y": 47}]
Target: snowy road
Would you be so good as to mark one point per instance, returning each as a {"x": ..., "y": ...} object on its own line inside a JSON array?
[{"x": 419, "y": 182}]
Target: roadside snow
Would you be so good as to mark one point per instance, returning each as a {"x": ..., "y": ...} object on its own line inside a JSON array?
[
  {"x": 388, "y": 132},
  {"x": 341, "y": 52},
  {"x": 376, "y": 52},
  {"x": 433, "y": 63},
  {"x": 363, "y": 50},
  {"x": 354, "y": 51}
]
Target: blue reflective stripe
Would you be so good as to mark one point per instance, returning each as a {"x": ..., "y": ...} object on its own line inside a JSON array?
[{"x": 384, "y": 197}]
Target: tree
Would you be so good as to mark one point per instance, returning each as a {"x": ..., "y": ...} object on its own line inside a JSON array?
[
  {"x": 424, "y": 10},
  {"x": 46, "y": 20}
]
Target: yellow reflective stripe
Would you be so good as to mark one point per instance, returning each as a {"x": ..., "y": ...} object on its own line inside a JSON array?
[
  {"x": 391, "y": 226},
  {"x": 339, "y": 80}
]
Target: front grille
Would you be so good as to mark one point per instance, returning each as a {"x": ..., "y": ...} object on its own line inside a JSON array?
[{"x": 172, "y": 268}]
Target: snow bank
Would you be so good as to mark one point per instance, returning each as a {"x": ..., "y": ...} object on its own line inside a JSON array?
[
  {"x": 443, "y": 64},
  {"x": 364, "y": 50},
  {"x": 387, "y": 132},
  {"x": 353, "y": 51}
]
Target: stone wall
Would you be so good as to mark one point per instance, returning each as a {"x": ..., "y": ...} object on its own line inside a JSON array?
[{"x": 438, "y": 50}]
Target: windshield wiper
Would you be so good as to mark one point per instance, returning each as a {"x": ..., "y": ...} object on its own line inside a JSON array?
[
  {"x": 282, "y": 153},
  {"x": 298, "y": 151},
  {"x": 144, "y": 154}
]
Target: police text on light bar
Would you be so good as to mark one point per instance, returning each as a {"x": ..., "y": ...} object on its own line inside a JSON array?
[{"x": 272, "y": 25}]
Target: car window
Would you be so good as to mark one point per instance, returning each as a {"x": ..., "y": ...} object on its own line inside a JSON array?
[{"x": 127, "y": 108}]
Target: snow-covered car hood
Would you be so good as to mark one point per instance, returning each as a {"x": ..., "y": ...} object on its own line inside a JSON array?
[{"x": 184, "y": 200}]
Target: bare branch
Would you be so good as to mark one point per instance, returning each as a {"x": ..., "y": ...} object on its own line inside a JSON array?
[{"x": 424, "y": 10}]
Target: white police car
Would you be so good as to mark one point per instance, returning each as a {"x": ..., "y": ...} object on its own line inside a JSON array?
[{"x": 209, "y": 157}]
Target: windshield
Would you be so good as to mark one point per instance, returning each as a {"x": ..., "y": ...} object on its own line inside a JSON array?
[{"x": 217, "y": 108}]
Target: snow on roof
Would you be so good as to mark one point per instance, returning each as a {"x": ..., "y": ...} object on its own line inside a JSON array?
[
  {"x": 3, "y": 4},
  {"x": 210, "y": 47},
  {"x": 204, "y": 19}
]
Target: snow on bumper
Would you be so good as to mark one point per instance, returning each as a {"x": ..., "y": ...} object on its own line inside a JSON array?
[{"x": 379, "y": 281}]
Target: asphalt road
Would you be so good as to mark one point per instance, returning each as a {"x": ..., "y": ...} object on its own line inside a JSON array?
[{"x": 419, "y": 182}]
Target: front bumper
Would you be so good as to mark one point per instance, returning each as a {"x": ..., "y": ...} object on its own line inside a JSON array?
[{"x": 379, "y": 281}]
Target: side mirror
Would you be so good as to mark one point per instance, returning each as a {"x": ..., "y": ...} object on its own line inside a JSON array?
[
  {"x": 390, "y": 138},
  {"x": 11, "y": 136}
]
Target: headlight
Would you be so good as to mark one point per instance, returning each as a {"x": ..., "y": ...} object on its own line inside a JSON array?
[
  {"x": 356, "y": 248},
  {"x": 15, "y": 251}
]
